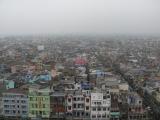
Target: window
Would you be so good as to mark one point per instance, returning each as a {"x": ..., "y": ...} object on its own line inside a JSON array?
[
  {"x": 6, "y": 100},
  {"x": 104, "y": 97},
  {"x": 36, "y": 112},
  {"x": 69, "y": 107},
  {"x": 13, "y": 101},
  {"x": 44, "y": 113},
  {"x": 74, "y": 98},
  {"x": 98, "y": 103},
  {"x": 104, "y": 109},
  {"x": 13, "y": 106},
  {"x": 44, "y": 106},
  {"x": 87, "y": 114},
  {"x": 78, "y": 99},
  {"x": 79, "y": 105},
  {"x": 32, "y": 112},
  {"x": 93, "y": 116},
  {"x": 82, "y": 113},
  {"x": 17, "y": 101},
  {"x": 23, "y": 106},
  {"x": 87, "y": 99},
  {"x": 40, "y": 112},
  {"x": 23, "y": 101},
  {"x": 6, "y": 111},
  {"x": 99, "y": 109},
  {"x": 32, "y": 105},
  {"x": 24, "y": 112},
  {"x": 87, "y": 107},
  {"x": 36, "y": 105},
  {"x": 6, "y": 106},
  {"x": 74, "y": 105},
  {"x": 78, "y": 114},
  {"x": 69, "y": 99},
  {"x": 98, "y": 116},
  {"x": 104, "y": 116},
  {"x": 68, "y": 114},
  {"x": 31, "y": 98},
  {"x": 94, "y": 109}
]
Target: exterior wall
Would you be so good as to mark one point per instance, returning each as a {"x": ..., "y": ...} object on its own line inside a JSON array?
[
  {"x": 87, "y": 106},
  {"x": 137, "y": 116},
  {"x": 100, "y": 106},
  {"x": 115, "y": 90},
  {"x": 57, "y": 104},
  {"x": 39, "y": 106},
  {"x": 9, "y": 84},
  {"x": 133, "y": 100},
  {"x": 124, "y": 87},
  {"x": 15, "y": 105},
  {"x": 45, "y": 77},
  {"x": 69, "y": 107},
  {"x": 115, "y": 110},
  {"x": 1, "y": 106},
  {"x": 135, "y": 108},
  {"x": 157, "y": 96},
  {"x": 78, "y": 106}
]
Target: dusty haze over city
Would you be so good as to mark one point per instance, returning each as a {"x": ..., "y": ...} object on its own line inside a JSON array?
[
  {"x": 79, "y": 59},
  {"x": 79, "y": 16}
]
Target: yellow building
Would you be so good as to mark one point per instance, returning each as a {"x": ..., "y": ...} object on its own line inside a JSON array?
[{"x": 39, "y": 103}]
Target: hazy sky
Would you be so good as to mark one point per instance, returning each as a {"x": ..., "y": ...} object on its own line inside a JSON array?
[{"x": 79, "y": 16}]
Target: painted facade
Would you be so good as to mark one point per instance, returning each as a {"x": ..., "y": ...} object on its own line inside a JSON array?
[
  {"x": 39, "y": 103},
  {"x": 15, "y": 103}
]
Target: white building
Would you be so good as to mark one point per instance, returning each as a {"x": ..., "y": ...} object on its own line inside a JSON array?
[
  {"x": 124, "y": 86},
  {"x": 40, "y": 47},
  {"x": 100, "y": 105}
]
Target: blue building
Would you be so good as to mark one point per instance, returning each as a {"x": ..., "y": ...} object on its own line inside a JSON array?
[
  {"x": 9, "y": 84},
  {"x": 15, "y": 103},
  {"x": 86, "y": 86}
]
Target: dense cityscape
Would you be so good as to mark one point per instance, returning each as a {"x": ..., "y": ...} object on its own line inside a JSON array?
[{"x": 79, "y": 77}]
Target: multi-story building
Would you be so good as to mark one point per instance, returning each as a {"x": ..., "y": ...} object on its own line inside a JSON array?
[
  {"x": 100, "y": 105},
  {"x": 39, "y": 103},
  {"x": 57, "y": 104},
  {"x": 115, "y": 110},
  {"x": 135, "y": 108},
  {"x": 15, "y": 103},
  {"x": 78, "y": 104}
]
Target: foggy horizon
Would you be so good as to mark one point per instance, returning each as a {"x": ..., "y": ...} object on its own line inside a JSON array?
[{"x": 27, "y": 17}]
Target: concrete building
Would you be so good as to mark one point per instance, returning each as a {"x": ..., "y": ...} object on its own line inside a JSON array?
[
  {"x": 39, "y": 103},
  {"x": 115, "y": 110},
  {"x": 57, "y": 105},
  {"x": 15, "y": 103},
  {"x": 135, "y": 108},
  {"x": 78, "y": 105},
  {"x": 100, "y": 105},
  {"x": 9, "y": 84}
]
